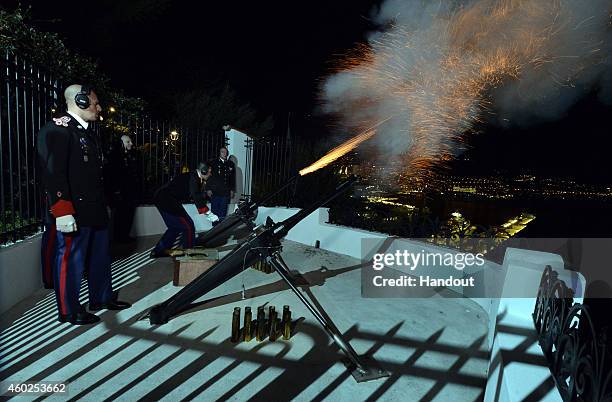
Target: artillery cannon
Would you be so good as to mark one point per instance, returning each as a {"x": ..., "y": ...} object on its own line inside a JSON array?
[{"x": 264, "y": 243}]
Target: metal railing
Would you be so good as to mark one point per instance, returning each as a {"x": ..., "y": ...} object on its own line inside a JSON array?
[
  {"x": 575, "y": 341},
  {"x": 272, "y": 165},
  {"x": 163, "y": 149},
  {"x": 30, "y": 97}
]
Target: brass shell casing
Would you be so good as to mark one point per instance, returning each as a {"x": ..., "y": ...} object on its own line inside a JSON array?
[
  {"x": 236, "y": 325},
  {"x": 261, "y": 324},
  {"x": 248, "y": 329},
  {"x": 286, "y": 323},
  {"x": 272, "y": 324}
]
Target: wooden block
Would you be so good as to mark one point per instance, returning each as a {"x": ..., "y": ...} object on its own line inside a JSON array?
[
  {"x": 204, "y": 253},
  {"x": 186, "y": 269},
  {"x": 207, "y": 253}
]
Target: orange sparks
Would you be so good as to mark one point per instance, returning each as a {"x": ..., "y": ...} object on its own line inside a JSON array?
[
  {"x": 342, "y": 149},
  {"x": 338, "y": 152},
  {"x": 441, "y": 79}
]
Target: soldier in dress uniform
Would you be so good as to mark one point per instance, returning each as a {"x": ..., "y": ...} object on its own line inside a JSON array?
[
  {"x": 71, "y": 160},
  {"x": 222, "y": 184},
  {"x": 123, "y": 174},
  {"x": 186, "y": 187}
]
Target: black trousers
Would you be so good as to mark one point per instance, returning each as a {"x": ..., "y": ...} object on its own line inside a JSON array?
[{"x": 124, "y": 217}]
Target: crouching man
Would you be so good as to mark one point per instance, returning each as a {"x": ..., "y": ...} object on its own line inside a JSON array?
[{"x": 169, "y": 198}]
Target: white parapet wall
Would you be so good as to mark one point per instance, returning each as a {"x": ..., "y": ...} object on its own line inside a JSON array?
[
  {"x": 338, "y": 239},
  {"x": 508, "y": 381},
  {"x": 241, "y": 153},
  {"x": 20, "y": 271},
  {"x": 148, "y": 221}
]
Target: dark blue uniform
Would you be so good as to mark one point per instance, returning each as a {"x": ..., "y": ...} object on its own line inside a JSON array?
[
  {"x": 168, "y": 200},
  {"x": 71, "y": 161},
  {"x": 221, "y": 183}
]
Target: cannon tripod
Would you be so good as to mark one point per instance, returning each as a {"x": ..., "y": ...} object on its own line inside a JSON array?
[{"x": 363, "y": 368}]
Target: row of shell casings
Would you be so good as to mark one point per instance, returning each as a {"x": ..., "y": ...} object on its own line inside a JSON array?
[
  {"x": 262, "y": 327},
  {"x": 263, "y": 266}
]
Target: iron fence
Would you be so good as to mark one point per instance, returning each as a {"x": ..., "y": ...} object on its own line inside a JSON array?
[
  {"x": 575, "y": 338},
  {"x": 276, "y": 160},
  {"x": 29, "y": 97},
  {"x": 163, "y": 149},
  {"x": 272, "y": 165}
]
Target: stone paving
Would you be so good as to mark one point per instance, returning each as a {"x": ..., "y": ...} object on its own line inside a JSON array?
[{"x": 435, "y": 348}]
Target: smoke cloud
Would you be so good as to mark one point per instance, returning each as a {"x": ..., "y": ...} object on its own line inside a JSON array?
[{"x": 438, "y": 67}]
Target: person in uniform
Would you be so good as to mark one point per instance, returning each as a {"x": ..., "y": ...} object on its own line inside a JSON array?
[
  {"x": 71, "y": 160},
  {"x": 169, "y": 202},
  {"x": 222, "y": 184},
  {"x": 123, "y": 165}
]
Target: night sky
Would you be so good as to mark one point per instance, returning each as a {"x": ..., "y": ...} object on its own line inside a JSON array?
[{"x": 274, "y": 55}]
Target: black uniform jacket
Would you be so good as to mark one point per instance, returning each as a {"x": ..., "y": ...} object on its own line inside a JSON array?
[
  {"x": 71, "y": 163},
  {"x": 223, "y": 179},
  {"x": 183, "y": 188},
  {"x": 122, "y": 175}
]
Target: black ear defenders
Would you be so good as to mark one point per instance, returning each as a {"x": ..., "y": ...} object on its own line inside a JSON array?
[
  {"x": 203, "y": 168},
  {"x": 82, "y": 98}
]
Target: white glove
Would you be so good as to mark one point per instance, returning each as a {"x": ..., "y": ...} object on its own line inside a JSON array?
[
  {"x": 211, "y": 217},
  {"x": 66, "y": 224}
]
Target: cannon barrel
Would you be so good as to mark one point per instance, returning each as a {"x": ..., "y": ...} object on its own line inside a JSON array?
[
  {"x": 282, "y": 228},
  {"x": 258, "y": 246},
  {"x": 228, "y": 267},
  {"x": 244, "y": 214}
]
